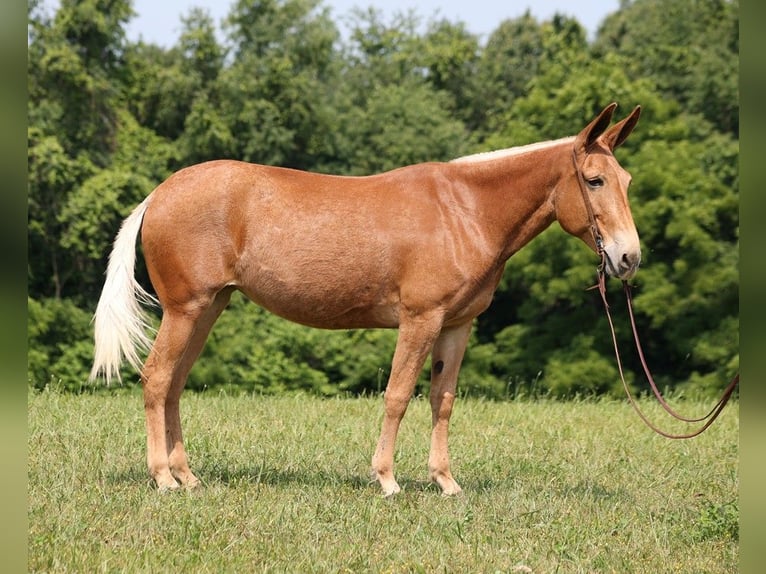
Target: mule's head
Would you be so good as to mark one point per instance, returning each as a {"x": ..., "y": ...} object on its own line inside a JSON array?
[{"x": 597, "y": 179}]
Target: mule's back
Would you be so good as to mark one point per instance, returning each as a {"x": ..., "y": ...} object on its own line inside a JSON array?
[{"x": 326, "y": 251}]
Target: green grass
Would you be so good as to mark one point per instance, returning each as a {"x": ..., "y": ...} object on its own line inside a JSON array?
[{"x": 549, "y": 487}]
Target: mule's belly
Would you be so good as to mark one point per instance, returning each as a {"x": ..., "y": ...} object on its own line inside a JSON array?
[
  {"x": 350, "y": 297},
  {"x": 327, "y": 306},
  {"x": 347, "y": 275},
  {"x": 321, "y": 280}
]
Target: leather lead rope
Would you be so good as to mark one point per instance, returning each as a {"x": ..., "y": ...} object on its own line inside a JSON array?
[
  {"x": 708, "y": 419},
  {"x": 712, "y": 415}
]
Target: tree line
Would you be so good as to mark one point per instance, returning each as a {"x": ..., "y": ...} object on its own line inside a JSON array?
[{"x": 109, "y": 119}]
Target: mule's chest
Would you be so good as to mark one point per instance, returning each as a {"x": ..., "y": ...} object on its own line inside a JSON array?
[{"x": 474, "y": 301}]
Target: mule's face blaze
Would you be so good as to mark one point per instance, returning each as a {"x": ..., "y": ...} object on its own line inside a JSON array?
[{"x": 606, "y": 184}]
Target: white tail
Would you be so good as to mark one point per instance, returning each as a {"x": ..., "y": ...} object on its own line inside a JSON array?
[{"x": 120, "y": 323}]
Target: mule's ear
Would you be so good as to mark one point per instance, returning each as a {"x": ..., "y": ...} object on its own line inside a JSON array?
[
  {"x": 620, "y": 131},
  {"x": 593, "y": 130}
]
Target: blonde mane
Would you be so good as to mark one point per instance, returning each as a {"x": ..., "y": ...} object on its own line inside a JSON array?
[{"x": 509, "y": 152}]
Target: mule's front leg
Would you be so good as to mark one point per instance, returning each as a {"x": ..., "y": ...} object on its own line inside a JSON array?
[
  {"x": 445, "y": 365},
  {"x": 413, "y": 344}
]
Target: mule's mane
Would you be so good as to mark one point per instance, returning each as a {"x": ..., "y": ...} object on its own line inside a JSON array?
[{"x": 509, "y": 152}]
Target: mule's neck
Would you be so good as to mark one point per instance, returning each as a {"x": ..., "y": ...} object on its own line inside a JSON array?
[{"x": 514, "y": 189}]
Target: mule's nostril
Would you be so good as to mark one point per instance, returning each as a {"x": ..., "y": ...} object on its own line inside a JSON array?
[
  {"x": 630, "y": 260},
  {"x": 628, "y": 265}
]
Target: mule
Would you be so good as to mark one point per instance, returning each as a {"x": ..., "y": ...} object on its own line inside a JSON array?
[{"x": 420, "y": 248}]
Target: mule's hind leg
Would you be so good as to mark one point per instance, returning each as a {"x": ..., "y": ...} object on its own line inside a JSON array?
[
  {"x": 180, "y": 338},
  {"x": 445, "y": 365},
  {"x": 173, "y": 337},
  {"x": 177, "y": 458}
]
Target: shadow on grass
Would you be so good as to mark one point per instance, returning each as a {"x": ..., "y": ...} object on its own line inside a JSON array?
[
  {"x": 234, "y": 475},
  {"x": 271, "y": 476},
  {"x": 528, "y": 484},
  {"x": 275, "y": 477},
  {"x": 594, "y": 490}
]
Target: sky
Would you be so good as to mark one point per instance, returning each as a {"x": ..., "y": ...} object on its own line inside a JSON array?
[{"x": 159, "y": 21}]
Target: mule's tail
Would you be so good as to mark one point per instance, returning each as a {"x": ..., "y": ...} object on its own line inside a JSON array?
[{"x": 120, "y": 324}]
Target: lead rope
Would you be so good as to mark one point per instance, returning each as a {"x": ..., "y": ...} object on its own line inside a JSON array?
[
  {"x": 601, "y": 285},
  {"x": 718, "y": 406},
  {"x": 708, "y": 418}
]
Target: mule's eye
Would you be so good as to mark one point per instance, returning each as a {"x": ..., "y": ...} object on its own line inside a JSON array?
[{"x": 595, "y": 182}]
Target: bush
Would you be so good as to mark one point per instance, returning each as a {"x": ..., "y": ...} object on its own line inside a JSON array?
[{"x": 60, "y": 345}]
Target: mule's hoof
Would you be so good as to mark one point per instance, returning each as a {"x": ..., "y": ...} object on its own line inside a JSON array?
[
  {"x": 165, "y": 488},
  {"x": 447, "y": 484},
  {"x": 389, "y": 491},
  {"x": 452, "y": 491},
  {"x": 388, "y": 484},
  {"x": 188, "y": 481}
]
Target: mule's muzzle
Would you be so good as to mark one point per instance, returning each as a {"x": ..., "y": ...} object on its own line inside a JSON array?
[{"x": 621, "y": 263}]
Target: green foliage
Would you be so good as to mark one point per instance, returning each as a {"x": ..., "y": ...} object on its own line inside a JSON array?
[
  {"x": 73, "y": 66},
  {"x": 382, "y": 52},
  {"x": 691, "y": 215},
  {"x": 689, "y": 48},
  {"x": 52, "y": 173},
  {"x": 202, "y": 56},
  {"x": 110, "y": 119},
  {"x": 401, "y": 125},
  {"x": 272, "y": 99},
  {"x": 510, "y": 60},
  {"x": 206, "y": 134},
  {"x": 60, "y": 351},
  {"x": 718, "y": 521},
  {"x": 160, "y": 89},
  {"x": 95, "y": 209},
  {"x": 451, "y": 54}
]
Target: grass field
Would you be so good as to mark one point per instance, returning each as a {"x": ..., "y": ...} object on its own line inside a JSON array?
[{"x": 549, "y": 487}]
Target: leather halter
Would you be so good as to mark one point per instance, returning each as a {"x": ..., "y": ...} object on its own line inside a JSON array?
[
  {"x": 601, "y": 285},
  {"x": 597, "y": 238}
]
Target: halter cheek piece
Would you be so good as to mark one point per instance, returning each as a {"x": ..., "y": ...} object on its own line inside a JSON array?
[{"x": 592, "y": 224}]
